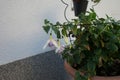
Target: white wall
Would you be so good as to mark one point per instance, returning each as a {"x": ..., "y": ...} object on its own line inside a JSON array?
[
  {"x": 21, "y": 21},
  {"x": 109, "y": 7},
  {"x": 21, "y": 33}
]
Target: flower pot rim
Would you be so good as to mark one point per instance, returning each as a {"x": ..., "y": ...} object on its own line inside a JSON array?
[{"x": 72, "y": 71}]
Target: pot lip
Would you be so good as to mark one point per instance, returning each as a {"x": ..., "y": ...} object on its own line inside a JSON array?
[
  {"x": 67, "y": 67},
  {"x": 105, "y": 78}
]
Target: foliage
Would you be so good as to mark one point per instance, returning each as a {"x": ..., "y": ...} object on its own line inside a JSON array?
[{"x": 97, "y": 43}]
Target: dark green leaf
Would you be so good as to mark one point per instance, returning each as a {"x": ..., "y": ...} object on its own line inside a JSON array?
[
  {"x": 111, "y": 47},
  {"x": 46, "y": 21},
  {"x": 58, "y": 35},
  {"x": 46, "y": 28},
  {"x": 74, "y": 30},
  {"x": 79, "y": 77},
  {"x": 64, "y": 32},
  {"x": 91, "y": 66}
]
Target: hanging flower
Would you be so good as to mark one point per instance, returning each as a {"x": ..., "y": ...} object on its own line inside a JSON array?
[
  {"x": 50, "y": 42},
  {"x": 60, "y": 48}
]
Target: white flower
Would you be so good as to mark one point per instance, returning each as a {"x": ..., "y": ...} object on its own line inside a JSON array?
[
  {"x": 51, "y": 43},
  {"x": 78, "y": 27},
  {"x": 60, "y": 49},
  {"x": 73, "y": 38}
]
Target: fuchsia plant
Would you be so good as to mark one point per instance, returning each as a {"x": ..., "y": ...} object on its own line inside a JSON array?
[{"x": 91, "y": 44}]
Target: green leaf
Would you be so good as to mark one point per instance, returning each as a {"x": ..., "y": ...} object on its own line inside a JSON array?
[
  {"x": 91, "y": 68},
  {"x": 96, "y": 1},
  {"x": 79, "y": 77},
  {"x": 46, "y": 21},
  {"x": 54, "y": 28},
  {"x": 64, "y": 32},
  {"x": 56, "y": 31},
  {"x": 58, "y": 23},
  {"x": 46, "y": 28},
  {"x": 47, "y": 25},
  {"x": 78, "y": 56},
  {"x": 112, "y": 47},
  {"x": 58, "y": 35},
  {"x": 98, "y": 51},
  {"x": 74, "y": 30},
  {"x": 92, "y": 15}
]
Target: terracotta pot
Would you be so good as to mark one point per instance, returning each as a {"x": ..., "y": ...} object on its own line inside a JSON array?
[{"x": 71, "y": 71}]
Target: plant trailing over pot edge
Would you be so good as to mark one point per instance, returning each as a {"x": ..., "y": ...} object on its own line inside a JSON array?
[{"x": 92, "y": 44}]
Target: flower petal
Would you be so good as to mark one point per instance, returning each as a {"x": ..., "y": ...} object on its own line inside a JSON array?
[
  {"x": 54, "y": 42},
  {"x": 46, "y": 44},
  {"x": 60, "y": 49}
]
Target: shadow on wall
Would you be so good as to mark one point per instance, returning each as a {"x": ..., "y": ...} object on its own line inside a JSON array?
[{"x": 47, "y": 66}]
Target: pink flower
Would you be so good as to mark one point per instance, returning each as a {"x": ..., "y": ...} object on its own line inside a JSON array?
[
  {"x": 60, "y": 49},
  {"x": 51, "y": 43}
]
